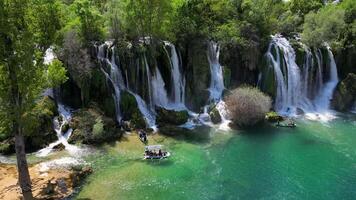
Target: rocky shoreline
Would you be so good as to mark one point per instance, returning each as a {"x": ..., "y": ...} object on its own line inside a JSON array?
[{"x": 47, "y": 182}]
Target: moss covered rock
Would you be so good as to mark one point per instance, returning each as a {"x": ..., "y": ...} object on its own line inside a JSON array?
[
  {"x": 273, "y": 117},
  {"x": 91, "y": 126},
  {"x": 215, "y": 116},
  {"x": 195, "y": 61},
  {"x": 171, "y": 117},
  {"x": 130, "y": 111},
  {"x": 345, "y": 93}
]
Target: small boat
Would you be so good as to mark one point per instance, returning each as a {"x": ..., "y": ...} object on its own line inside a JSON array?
[
  {"x": 143, "y": 136},
  {"x": 155, "y": 152}
]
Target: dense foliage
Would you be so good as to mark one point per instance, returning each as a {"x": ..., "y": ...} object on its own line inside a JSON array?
[{"x": 248, "y": 106}]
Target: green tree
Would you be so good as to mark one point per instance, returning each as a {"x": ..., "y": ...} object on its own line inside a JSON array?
[
  {"x": 23, "y": 76},
  {"x": 147, "y": 17},
  {"x": 323, "y": 26},
  {"x": 303, "y": 7},
  {"x": 90, "y": 21}
]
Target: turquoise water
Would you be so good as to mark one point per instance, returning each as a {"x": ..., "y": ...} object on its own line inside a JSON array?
[{"x": 313, "y": 161}]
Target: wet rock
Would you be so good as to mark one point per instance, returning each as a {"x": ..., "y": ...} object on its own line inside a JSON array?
[
  {"x": 79, "y": 174},
  {"x": 215, "y": 116},
  {"x": 59, "y": 147},
  {"x": 273, "y": 117},
  {"x": 345, "y": 94},
  {"x": 172, "y": 117},
  {"x": 65, "y": 128}
]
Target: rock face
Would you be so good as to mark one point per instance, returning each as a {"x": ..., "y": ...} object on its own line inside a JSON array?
[
  {"x": 171, "y": 117},
  {"x": 91, "y": 126},
  {"x": 345, "y": 94},
  {"x": 197, "y": 69},
  {"x": 130, "y": 111}
]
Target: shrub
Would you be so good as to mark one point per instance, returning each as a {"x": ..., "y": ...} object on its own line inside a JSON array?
[{"x": 247, "y": 106}]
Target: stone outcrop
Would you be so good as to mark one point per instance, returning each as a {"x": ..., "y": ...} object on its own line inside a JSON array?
[
  {"x": 171, "y": 117},
  {"x": 345, "y": 94},
  {"x": 91, "y": 126}
]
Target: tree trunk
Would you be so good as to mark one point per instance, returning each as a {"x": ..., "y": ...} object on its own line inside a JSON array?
[{"x": 22, "y": 167}]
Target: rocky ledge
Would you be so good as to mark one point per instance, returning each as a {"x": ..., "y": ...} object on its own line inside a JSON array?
[{"x": 57, "y": 183}]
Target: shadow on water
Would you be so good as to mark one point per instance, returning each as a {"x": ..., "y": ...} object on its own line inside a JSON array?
[
  {"x": 199, "y": 135},
  {"x": 158, "y": 163}
]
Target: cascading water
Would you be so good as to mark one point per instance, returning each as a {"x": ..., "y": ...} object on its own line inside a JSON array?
[
  {"x": 118, "y": 83},
  {"x": 217, "y": 84},
  {"x": 159, "y": 93},
  {"x": 178, "y": 86},
  {"x": 301, "y": 89},
  {"x": 288, "y": 85},
  {"x": 115, "y": 76},
  {"x": 59, "y": 123},
  {"x": 323, "y": 100},
  {"x": 217, "y": 79}
]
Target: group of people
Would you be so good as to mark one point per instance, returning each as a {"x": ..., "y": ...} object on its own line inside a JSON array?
[
  {"x": 154, "y": 153},
  {"x": 142, "y": 135}
]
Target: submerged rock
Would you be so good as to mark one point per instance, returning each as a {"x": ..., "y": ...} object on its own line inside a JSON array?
[
  {"x": 345, "y": 94},
  {"x": 91, "y": 126},
  {"x": 172, "y": 117},
  {"x": 215, "y": 116}
]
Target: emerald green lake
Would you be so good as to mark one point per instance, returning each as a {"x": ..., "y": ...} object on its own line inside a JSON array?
[{"x": 313, "y": 161}]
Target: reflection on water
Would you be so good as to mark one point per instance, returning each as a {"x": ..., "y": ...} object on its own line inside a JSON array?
[{"x": 263, "y": 163}]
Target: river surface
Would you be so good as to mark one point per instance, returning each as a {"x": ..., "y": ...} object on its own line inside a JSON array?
[{"x": 313, "y": 161}]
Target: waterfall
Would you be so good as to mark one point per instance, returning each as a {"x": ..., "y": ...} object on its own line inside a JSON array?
[
  {"x": 159, "y": 92},
  {"x": 115, "y": 76},
  {"x": 217, "y": 84},
  {"x": 326, "y": 93},
  {"x": 178, "y": 86},
  {"x": 217, "y": 79},
  {"x": 303, "y": 87},
  {"x": 116, "y": 79},
  {"x": 288, "y": 85},
  {"x": 58, "y": 123}
]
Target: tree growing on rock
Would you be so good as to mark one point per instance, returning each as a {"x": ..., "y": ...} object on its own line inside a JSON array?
[{"x": 247, "y": 106}]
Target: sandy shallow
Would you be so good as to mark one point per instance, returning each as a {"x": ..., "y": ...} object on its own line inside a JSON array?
[{"x": 62, "y": 179}]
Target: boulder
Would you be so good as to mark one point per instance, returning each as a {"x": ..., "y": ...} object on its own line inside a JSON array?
[
  {"x": 91, "y": 126},
  {"x": 172, "y": 117},
  {"x": 59, "y": 147},
  {"x": 215, "y": 116},
  {"x": 65, "y": 128},
  {"x": 345, "y": 94}
]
